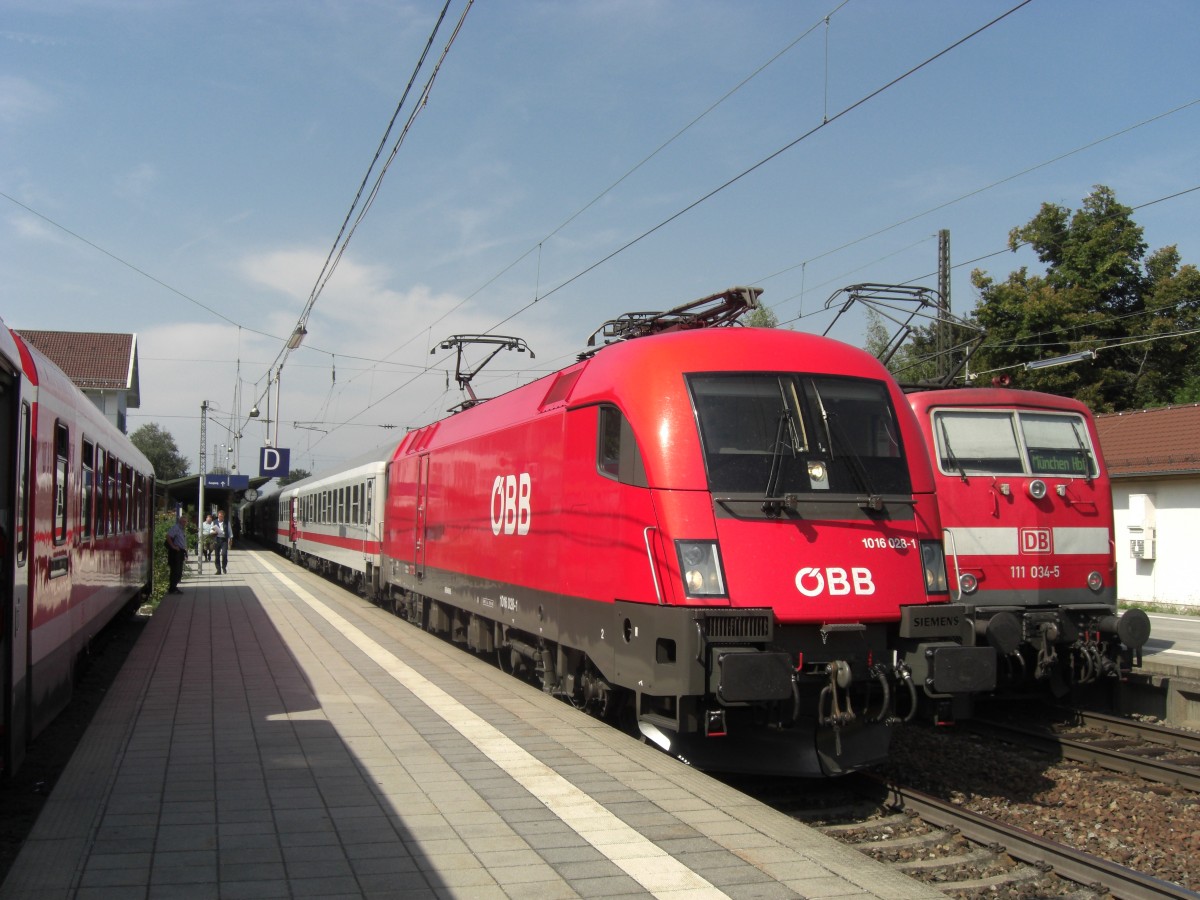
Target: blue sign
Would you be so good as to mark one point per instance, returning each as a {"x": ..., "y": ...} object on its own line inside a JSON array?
[
  {"x": 274, "y": 462},
  {"x": 235, "y": 482}
]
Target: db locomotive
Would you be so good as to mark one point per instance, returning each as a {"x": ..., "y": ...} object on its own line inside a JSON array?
[
  {"x": 76, "y": 500},
  {"x": 1027, "y": 510},
  {"x": 725, "y": 539}
]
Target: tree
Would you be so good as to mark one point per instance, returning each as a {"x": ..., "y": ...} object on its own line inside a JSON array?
[
  {"x": 761, "y": 317},
  {"x": 293, "y": 475},
  {"x": 159, "y": 447},
  {"x": 1099, "y": 294}
]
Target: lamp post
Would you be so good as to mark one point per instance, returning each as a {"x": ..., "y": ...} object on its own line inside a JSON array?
[{"x": 203, "y": 473}]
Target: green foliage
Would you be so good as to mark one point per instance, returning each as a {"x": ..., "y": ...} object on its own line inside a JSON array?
[
  {"x": 294, "y": 475},
  {"x": 761, "y": 317},
  {"x": 162, "y": 573},
  {"x": 1101, "y": 293},
  {"x": 159, "y": 447}
]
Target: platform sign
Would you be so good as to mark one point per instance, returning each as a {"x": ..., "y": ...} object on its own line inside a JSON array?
[
  {"x": 274, "y": 462},
  {"x": 234, "y": 482}
]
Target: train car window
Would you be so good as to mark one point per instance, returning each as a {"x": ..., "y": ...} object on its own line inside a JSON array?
[
  {"x": 62, "y": 446},
  {"x": 87, "y": 488},
  {"x": 617, "y": 453},
  {"x": 341, "y": 506},
  {"x": 98, "y": 494},
  {"x": 977, "y": 442},
  {"x": 779, "y": 434},
  {"x": 127, "y": 489},
  {"x": 112, "y": 499},
  {"x": 368, "y": 502},
  {"x": 1058, "y": 444},
  {"x": 355, "y": 505},
  {"x": 25, "y": 441}
]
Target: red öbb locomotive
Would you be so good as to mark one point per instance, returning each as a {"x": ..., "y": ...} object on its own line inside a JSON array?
[
  {"x": 76, "y": 499},
  {"x": 726, "y": 537}
]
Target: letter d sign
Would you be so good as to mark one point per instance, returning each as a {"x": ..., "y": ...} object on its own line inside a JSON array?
[{"x": 274, "y": 462}]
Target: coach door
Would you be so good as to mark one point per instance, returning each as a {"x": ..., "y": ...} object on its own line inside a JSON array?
[
  {"x": 422, "y": 514},
  {"x": 14, "y": 565}
]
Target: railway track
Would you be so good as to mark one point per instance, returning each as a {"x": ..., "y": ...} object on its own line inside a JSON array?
[
  {"x": 1037, "y": 855},
  {"x": 961, "y": 853},
  {"x": 1146, "y": 750}
]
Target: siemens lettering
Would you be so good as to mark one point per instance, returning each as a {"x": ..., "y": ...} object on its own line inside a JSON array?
[{"x": 510, "y": 504}]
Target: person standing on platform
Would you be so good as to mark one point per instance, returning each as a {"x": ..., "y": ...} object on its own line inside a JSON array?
[
  {"x": 206, "y": 530},
  {"x": 176, "y": 552},
  {"x": 222, "y": 537}
]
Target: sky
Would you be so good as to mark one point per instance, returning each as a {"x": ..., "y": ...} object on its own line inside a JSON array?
[{"x": 184, "y": 170}]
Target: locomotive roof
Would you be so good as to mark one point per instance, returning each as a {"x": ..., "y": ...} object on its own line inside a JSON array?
[
  {"x": 989, "y": 396},
  {"x": 644, "y": 378}
]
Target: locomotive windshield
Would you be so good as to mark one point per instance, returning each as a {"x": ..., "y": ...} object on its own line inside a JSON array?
[
  {"x": 1008, "y": 442},
  {"x": 779, "y": 434}
]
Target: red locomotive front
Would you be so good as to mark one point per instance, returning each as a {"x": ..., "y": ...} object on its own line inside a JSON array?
[
  {"x": 727, "y": 537},
  {"x": 1027, "y": 510}
]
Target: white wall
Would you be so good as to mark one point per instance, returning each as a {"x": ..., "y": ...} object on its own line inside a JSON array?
[{"x": 1173, "y": 511}]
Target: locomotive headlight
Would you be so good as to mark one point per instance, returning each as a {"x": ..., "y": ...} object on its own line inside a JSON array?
[
  {"x": 933, "y": 561},
  {"x": 700, "y": 563},
  {"x": 1095, "y": 581},
  {"x": 968, "y": 582},
  {"x": 818, "y": 475},
  {"x": 1037, "y": 489}
]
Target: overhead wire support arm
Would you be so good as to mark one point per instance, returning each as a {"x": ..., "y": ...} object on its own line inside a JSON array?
[
  {"x": 459, "y": 342},
  {"x": 909, "y": 307}
]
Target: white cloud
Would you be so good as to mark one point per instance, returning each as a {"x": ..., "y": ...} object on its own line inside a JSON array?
[{"x": 21, "y": 99}]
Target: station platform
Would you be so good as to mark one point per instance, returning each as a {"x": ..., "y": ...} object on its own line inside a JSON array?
[{"x": 272, "y": 735}]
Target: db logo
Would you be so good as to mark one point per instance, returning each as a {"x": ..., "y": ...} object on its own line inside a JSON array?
[
  {"x": 510, "y": 504},
  {"x": 1036, "y": 540},
  {"x": 811, "y": 582}
]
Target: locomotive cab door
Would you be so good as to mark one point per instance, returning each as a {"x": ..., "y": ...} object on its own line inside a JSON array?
[{"x": 419, "y": 532}]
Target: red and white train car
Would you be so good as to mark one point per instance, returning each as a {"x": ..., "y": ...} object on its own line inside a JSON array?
[
  {"x": 332, "y": 523},
  {"x": 1027, "y": 509},
  {"x": 726, "y": 536},
  {"x": 76, "y": 502}
]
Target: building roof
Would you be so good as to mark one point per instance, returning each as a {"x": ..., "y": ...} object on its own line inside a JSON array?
[
  {"x": 1162, "y": 441},
  {"x": 93, "y": 361}
]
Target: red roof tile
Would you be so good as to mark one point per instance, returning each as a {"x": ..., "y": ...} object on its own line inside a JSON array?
[
  {"x": 98, "y": 361},
  {"x": 1162, "y": 441}
]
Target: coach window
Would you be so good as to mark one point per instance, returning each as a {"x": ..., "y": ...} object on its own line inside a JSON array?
[
  {"x": 355, "y": 505},
  {"x": 113, "y": 498},
  {"x": 368, "y": 495},
  {"x": 127, "y": 489},
  {"x": 62, "y": 444},
  {"x": 86, "y": 489},
  {"x": 22, "y": 484},
  {"x": 617, "y": 455}
]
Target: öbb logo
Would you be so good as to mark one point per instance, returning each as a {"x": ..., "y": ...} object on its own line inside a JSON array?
[
  {"x": 510, "y": 504},
  {"x": 1036, "y": 540},
  {"x": 811, "y": 582}
]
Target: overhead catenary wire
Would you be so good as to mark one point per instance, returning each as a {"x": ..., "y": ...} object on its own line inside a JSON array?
[{"x": 345, "y": 233}]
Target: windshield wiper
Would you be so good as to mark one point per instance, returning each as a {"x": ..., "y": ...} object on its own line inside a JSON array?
[
  {"x": 950, "y": 451},
  {"x": 1087, "y": 454},
  {"x": 772, "y": 504}
]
